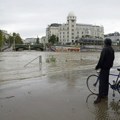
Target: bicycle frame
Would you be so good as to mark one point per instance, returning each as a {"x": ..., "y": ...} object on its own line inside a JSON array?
[
  {"x": 116, "y": 81},
  {"x": 114, "y": 86},
  {"x": 92, "y": 82}
]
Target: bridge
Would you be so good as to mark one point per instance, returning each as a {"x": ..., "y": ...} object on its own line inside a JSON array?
[{"x": 19, "y": 47}]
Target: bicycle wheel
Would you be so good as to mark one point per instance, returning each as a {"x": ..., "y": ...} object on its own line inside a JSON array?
[
  {"x": 118, "y": 86},
  {"x": 93, "y": 84}
]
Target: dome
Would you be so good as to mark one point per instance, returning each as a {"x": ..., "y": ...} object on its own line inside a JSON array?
[{"x": 71, "y": 14}]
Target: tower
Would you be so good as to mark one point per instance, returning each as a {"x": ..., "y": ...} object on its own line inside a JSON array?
[{"x": 71, "y": 19}]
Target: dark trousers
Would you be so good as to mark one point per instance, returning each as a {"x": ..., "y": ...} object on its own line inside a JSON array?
[{"x": 104, "y": 82}]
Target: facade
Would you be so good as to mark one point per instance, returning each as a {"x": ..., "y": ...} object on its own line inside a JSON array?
[
  {"x": 5, "y": 34},
  {"x": 72, "y": 31},
  {"x": 52, "y": 29},
  {"x": 43, "y": 40},
  {"x": 115, "y": 37},
  {"x": 30, "y": 40}
]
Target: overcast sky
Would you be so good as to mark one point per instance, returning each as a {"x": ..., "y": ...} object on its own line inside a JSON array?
[{"x": 30, "y": 18}]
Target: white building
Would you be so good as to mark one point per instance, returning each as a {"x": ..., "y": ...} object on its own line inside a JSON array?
[
  {"x": 43, "y": 40},
  {"x": 52, "y": 29},
  {"x": 115, "y": 37},
  {"x": 30, "y": 40},
  {"x": 5, "y": 34},
  {"x": 72, "y": 31}
]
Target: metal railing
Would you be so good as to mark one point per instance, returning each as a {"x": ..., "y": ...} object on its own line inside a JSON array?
[{"x": 40, "y": 61}]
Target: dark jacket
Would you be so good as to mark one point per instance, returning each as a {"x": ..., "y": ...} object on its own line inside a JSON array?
[{"x": 106, "y": 58}]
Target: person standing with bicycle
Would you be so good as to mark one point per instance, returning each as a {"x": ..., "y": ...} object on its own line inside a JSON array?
[{"x": 104, "y": 64}]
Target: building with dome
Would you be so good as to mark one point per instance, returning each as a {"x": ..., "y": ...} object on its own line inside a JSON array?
[{"x": 71, "y": 31}]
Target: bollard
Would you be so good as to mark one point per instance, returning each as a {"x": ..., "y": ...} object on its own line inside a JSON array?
[
  {"x": 40, "y": 61},
  {"x": 29, "y": 47}
]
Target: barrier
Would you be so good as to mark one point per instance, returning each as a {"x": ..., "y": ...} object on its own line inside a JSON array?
[
  {"x": 40, "y": 61},
  {"x": 67, "y": 49}
]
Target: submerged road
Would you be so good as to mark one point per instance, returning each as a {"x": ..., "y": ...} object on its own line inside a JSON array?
[{"x": 56, "y": 93}]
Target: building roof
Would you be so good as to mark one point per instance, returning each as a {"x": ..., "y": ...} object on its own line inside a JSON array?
[
  {"x": 55, "y": 25},
  {"x": 71, "y": 14}
]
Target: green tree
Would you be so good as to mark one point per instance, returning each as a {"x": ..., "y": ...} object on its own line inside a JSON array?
[
  {"x": 53, "y": 39},
  {"x": 37, "y": 40},
  {"x": 17, "y": 39},
  {"x": 1, "y": 38}
]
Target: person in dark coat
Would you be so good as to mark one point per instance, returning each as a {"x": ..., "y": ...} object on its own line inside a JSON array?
[{"x": 104, "y": 64}]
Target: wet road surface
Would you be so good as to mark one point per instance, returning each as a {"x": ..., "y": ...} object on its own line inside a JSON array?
[{"x": 56, "y": 93}]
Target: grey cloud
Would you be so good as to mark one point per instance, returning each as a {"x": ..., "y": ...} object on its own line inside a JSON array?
[{"x": 35, "y": 15}]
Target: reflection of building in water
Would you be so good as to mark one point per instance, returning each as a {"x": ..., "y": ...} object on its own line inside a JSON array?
[{"x": 72, "y": 31}]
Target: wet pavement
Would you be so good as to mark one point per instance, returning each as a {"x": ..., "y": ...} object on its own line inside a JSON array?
[{"x": 55, "y": 90}]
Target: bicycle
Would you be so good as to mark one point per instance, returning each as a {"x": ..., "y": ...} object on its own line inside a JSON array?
[{"x": 93, "y": 83}]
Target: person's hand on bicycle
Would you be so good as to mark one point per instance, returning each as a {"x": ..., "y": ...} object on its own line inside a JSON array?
[{"x": 96, "y": 68}]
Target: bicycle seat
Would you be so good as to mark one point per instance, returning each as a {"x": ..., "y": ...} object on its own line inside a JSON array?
[{"x": 118, "y": 69}]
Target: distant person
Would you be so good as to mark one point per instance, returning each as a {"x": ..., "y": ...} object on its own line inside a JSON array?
[{"x": 104, "y": 64}]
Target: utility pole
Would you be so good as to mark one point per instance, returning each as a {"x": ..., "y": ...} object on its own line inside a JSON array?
[{"x": 13, "y": 42}]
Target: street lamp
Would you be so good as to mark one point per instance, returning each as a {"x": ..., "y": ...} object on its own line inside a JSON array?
[{"x": 14, "y": 42}]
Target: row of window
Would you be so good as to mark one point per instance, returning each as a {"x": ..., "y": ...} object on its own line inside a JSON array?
[
  {"x": 65, "y": 37},
  {"x": 64, "y": 40},
  {"x": 68, "y": 33}
]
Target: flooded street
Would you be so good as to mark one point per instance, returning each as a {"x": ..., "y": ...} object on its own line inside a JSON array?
[
  {"x": 52, "y": 87},
  {"x": 17, "y": 66}
]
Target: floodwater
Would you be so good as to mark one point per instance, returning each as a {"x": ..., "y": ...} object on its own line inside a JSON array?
[
  {"x": 52, "y": 86},
  {"x": 18, "y": 65}
]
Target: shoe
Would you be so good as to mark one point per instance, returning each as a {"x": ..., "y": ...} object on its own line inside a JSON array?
[{"x": 98, "y": 100}]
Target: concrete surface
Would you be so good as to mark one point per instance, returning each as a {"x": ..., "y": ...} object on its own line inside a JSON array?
[{"x": 58, "y": 95}]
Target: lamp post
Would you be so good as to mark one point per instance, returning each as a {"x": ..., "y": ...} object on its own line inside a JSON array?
[{"x": 14, "y": 42}]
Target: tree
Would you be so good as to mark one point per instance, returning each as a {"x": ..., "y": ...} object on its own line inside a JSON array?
[
  {"x": 1, "y": 38},
  {"x": 37, "y": 40},
  {"x": 5, "y": 40},
  {"x": 10, "y": 39},
  {"x": 17, "y": 39},
  {"x": 53, "y": 39}
]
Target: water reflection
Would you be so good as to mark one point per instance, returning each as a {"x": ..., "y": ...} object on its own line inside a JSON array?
[
  {"x": 12, "y": 63},
  {"x": 106, "y": 110},
  {"x": 70, "y": 79}
]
